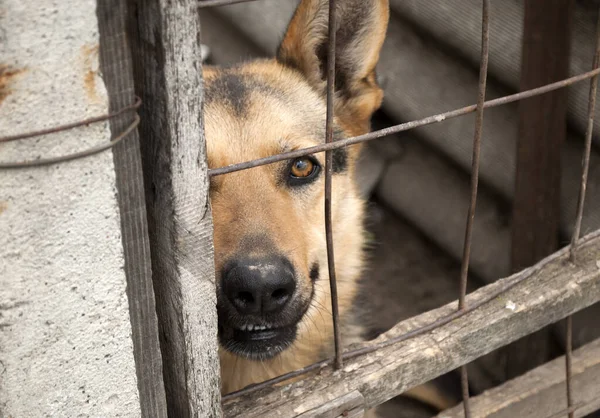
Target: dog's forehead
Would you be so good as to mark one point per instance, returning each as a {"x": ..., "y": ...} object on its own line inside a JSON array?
[{"x": 258, "y": 109}]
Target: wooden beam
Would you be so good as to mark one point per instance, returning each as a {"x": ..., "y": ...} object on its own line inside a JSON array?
[
  {"x": 117, "y": 72},
  {"x": 542, "y": 132},
  {"x": 166, "y": 49},
  {"x": 540, "y": 393},
  {"x": 554, "y": 288}
]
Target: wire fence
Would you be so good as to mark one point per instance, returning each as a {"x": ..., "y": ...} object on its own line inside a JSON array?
[
  {"x": 81, "y": 154},
  {"x": 329, "y": 145}
]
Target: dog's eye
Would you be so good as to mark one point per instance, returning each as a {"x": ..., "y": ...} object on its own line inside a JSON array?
[
  {"x": 303, "y": 170},
  {"x": 302, "y": 167}
]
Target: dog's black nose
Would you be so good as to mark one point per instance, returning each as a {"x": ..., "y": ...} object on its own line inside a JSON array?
[{"x": 259, "y": 285}]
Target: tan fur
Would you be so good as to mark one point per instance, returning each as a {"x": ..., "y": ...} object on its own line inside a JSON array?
[
  {"x": 250, "y": 201},
  {"x": 286, "y": 111}
]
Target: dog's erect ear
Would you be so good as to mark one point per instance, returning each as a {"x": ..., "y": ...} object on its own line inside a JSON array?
[{"x": 360, "y": 32}]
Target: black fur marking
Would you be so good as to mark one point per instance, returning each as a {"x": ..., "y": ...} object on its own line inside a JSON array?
[
  {"x": 230, "y": 88},
  {"x": 235, "y": 89},
  {"x": 314, "y": 272}
]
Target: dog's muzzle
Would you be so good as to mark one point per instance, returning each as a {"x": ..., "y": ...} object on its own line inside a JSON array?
[{"x": 259, "y": 308}]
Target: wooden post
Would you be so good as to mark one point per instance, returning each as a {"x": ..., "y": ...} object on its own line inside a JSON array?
[
  {"x": 542, "y": 131},
  {"x": 117, "y": 73},
  {"x": 166, "y": 49}
]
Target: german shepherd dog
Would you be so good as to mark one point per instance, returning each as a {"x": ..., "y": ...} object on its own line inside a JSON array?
[{"x": 274, "y": 306}]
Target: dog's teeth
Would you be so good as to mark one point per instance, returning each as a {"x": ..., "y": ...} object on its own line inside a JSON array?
[
  {"x": 243, "y": 328},
  {"x": 250, "y": 327},
  {"x": 262, "y": 327}
]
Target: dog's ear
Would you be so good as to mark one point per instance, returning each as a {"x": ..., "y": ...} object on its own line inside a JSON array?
[{"x": 360, "y": 32}]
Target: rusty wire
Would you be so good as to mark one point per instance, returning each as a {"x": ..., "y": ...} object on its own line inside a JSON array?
[
  {"x": 76, "y": 155},
  {"x": 136, "y": 104},
  {"x": 440, "y": 117},
  {"x": 580, "y": 204},
  {"x": 588, "y": 143},
  {"x": 464, "y": 269},
  {"x": 568, "y": 363},
  {"x": 328, "y": 178},
  {"x": 215, "y": 3},
  {"x": 61, "y": 128}
]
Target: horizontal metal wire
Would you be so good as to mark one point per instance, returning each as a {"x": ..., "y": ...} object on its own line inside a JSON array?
[
  {"x": 136, "y": 104},
  {"x": 440, "y": 117},
  {"x": 215, "y": 3},
  {"x": 85, "y": 153}
]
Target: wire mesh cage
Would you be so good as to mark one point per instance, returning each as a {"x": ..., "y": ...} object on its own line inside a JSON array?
[{"x": 336, "y": 385}]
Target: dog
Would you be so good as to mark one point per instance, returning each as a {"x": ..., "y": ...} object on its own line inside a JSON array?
[{"x": 273, "y": 294}]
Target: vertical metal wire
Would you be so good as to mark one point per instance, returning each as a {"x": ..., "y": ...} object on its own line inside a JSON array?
[
  {"x": 328, "y": 174},
  {"x": 568, "y": 369},
  {"x": 588, "y": 144},
  {"x": 485, "y": 35},
  {"x": 580, "y": 203}
]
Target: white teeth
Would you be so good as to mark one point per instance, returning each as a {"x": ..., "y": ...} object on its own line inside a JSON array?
[{"x": 255, "y": 327}]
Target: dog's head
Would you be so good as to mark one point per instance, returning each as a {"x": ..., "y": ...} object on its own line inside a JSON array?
[{"x": 269, "y": 231}]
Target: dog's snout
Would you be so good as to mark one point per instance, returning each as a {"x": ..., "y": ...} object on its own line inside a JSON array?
[{"x": 259, "y": 286}]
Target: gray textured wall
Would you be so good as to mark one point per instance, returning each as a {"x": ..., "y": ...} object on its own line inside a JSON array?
[{"x": 65, "y": 335}]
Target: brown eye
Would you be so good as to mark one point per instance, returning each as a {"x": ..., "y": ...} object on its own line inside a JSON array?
[
  {"x": 302, "y": 171},
  {"x": 302, "y": 167}
]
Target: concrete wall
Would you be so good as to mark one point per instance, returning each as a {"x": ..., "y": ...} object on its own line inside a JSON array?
[{"x": 65, "y": 335}]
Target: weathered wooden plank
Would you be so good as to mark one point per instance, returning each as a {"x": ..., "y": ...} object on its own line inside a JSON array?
[
  {"x": 540, "y": 393},
  {"x": 117, "y": 73},
  {"x": 542, "y": 132},
  {"x": 349, "y": 405},
  {"x": 554, "y": 288},
  {"x": 166, "y": 49}
]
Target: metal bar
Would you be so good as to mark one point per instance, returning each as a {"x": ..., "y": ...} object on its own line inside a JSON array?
[
  {"x": 401, "y": 127},
  {"x": 580, "y": 204},
  {"x": 464, "y": 270},
  {"x": 464, "y": 384},
  {"x": 328, "y": 174},
  {"x": 516, "y": 279},
  {"x": 568, "y": 362},
  {"x": 136, "y": 104},
  {"x": 485, "y": 35},
  {"x": 588, "y": 144},
  {"x": 216, "y": 3},
  {"x": 74, "y": 156}
]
